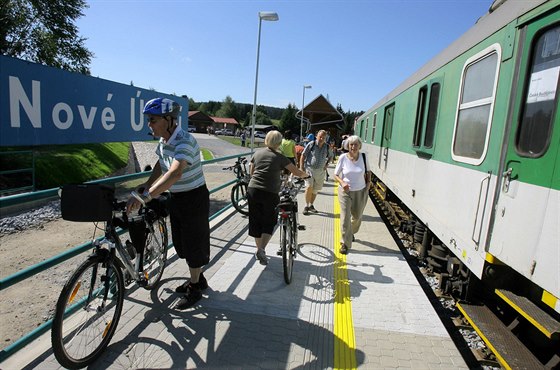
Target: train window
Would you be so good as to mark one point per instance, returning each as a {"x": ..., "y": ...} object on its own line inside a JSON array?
[
  {"x": 425, "y": 125},
  {"x": 432, "y": 116},
  {"x": 373, "y": 127},
  {"x": 533, "y": 135},
  {"x": 367, "y": 127},
  {"x": 361, "y": 128},
  {"x": 388, "y": 122},
  {"x": 420, "y": 108},
  {"x": 476, "y": 100}
]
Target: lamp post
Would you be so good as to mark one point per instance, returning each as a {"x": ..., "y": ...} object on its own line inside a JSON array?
[
  {"x": 302, "y": 105},
  {"x": 267, "y": 16}
]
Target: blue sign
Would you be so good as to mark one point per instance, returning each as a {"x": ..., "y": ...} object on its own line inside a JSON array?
[{"x": 41, "y": 105}]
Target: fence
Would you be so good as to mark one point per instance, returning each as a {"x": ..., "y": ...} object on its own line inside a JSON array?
[{"x": 20, "y": 276}]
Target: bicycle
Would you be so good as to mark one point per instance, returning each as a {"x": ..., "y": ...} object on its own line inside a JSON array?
[
  {"x": 90, "y": 304},
  {"x": 239, "y": 190},
  {"x": 288, "y": 224}
]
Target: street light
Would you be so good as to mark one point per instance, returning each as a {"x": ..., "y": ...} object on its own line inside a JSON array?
[
  {"x": 267, "y": 16},
  {"x": 302, "y": 105}
]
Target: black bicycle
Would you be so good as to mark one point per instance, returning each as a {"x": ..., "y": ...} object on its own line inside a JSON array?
[
  {"x": 90, "y": 304},
  {"x": 239, "y": 190},
  {"x": 288, "y": 224}
]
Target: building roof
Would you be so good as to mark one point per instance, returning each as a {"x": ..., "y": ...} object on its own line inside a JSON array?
[
  {"x": 195, "y": 115},
  {"x": 320, "y": 112},
  {"x": 230, "y": 121}
]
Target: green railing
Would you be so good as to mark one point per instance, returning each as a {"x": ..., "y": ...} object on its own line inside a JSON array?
[
  {"x": 21, "y": 275},
  {"x": 6, "y": 174}
]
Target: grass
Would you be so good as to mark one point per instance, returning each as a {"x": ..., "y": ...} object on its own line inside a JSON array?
[
  {"x": 63, "y": 164},
  {"x": 237, "y": 141},
  {"x": 56, "y": 165},
  {"x": 206, "y": 154}
]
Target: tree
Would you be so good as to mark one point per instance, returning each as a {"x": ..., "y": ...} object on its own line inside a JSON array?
[
  {"x": 228, "y": 109},
  {"x": 349, "y": 118},
  {"x": 261, "y": 118},
  {"x": 43, "y": 31},
  {"x": 289, "y": 121},
  {"x": 192, "y": 104}
]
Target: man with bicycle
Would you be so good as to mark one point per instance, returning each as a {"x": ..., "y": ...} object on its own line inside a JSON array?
[{"x": 179, "y": 170}]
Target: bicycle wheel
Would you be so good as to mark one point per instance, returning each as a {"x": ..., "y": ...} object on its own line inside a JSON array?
[
  {"x": 155, "y": 254},
  {"x": 295, "y": 229},
  {"x": 286, "y": 243},
  {"x": 87, "y": 312},
  {"x": 239, "y": 198}
]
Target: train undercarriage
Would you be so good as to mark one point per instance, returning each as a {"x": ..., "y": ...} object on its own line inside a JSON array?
[{"x": 503, "y": 307}]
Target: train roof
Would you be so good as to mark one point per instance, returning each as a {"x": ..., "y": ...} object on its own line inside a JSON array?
[{"x": 500, "y": 13}]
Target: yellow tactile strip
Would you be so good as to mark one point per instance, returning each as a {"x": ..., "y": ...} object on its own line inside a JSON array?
[{"x": 344, "y": 339}]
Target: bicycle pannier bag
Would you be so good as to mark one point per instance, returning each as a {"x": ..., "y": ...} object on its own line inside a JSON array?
[
  {"x": 87, "y": 202},
  {"x": 137, "y": 231}
]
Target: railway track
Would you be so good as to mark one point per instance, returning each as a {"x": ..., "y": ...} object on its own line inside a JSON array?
[{"x": 480, "y": 334}]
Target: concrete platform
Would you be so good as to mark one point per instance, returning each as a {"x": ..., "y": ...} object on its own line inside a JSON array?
[{"x": 363, "y": 310}]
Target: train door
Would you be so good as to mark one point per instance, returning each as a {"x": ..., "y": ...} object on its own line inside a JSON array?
[
  {"x": 527, "y": 218},
  {"x": 386, "y": 131}
]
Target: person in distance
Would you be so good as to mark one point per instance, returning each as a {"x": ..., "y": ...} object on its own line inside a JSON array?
[
  {"x": 179, "y": 170},
  {"x": 262, "y": 193}
]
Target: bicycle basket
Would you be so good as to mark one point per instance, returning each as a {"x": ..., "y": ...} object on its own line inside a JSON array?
[{"x": 87, "y": 202}]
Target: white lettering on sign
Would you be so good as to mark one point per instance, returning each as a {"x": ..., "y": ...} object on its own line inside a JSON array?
[
  {"x": 56, "y": 116},
  {"x": 62, "y": 114},
  {"x": 18, "y": 97},
  {"x": 87, "y": 119},
  {"x": 137, "y": 126}
]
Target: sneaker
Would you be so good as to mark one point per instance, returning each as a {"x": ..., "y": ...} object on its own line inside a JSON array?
[
  {"x": 343, "y": 249},
  {"x": 261, "y": 256},
  {"x": 279, "y": 251},
  {"x": 193, "y": 295},
  {"x": 306, "y": 211},
  {"x": 353, "y": 238},
  {"x": 202, "y": 284},
  {"x": 312, "y": 209}
]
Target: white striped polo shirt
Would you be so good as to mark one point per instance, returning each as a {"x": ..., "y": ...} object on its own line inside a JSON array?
[{"x": 182, "y": 146}]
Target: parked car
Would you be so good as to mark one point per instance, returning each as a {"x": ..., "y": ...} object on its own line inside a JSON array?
[
  {"x": 225, "y": 131},
  {"x": 191, "y": 129},
  {"x": 260, "y": 134}
]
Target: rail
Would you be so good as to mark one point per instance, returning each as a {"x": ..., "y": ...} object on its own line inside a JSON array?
[
  {"x": 28, "y": 272},
  {"x": 6, "y": 174}
]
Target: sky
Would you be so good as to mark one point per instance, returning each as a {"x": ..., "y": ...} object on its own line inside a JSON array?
[{"x": 353, "y": 52}]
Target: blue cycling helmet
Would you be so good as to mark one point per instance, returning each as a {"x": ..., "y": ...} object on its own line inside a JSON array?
[
  {"x": 162, "y": 107},
  {"x": 310, "y": 137}
]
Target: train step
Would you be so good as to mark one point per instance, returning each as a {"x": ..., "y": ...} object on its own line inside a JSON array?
[
  {"x": 507, "y": 348},
  {"x": 537, "y": 317}
]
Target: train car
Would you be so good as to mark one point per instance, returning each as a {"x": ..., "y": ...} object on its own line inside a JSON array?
[{"x": 467, "y": 148}]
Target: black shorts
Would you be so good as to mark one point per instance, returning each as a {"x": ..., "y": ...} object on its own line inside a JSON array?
[
  {"x": 190, "y": 229},
  {"x": 262, "y": 211}
]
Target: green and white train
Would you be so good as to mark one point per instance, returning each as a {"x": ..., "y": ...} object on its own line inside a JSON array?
[{"x": 469, "y": 147}]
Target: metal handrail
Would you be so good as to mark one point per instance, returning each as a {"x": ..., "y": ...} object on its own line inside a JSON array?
[{"x": 55, "y": 260}]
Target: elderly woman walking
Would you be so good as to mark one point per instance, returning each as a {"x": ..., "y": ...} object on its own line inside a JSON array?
[
  {"x": 354, "y": 182},
  {"x": 262, "y": 193}
]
